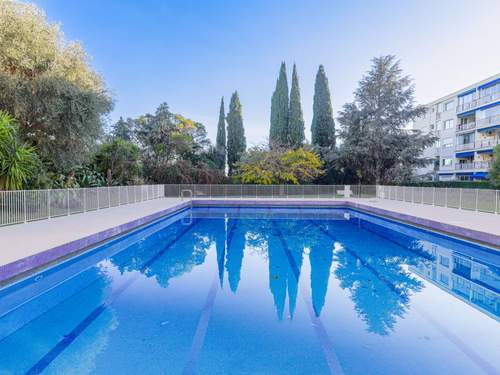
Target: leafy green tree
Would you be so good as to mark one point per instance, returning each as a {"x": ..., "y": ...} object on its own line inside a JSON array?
[
  {"x": 123, "y": 129},
  {"x": 278, "y": 132},
  {"x": 119, "y": 161},
  {"x": 495, "y": 167},
  {"x": 323, "y": 125},
  {"x": 220, "y": 143},
  {"x": 377, "y": 147},
  {"x": 176, "y": 149},
  {"x": 295, "y": 118},
  {"x": 236, "y": 141},
  {"x": 18, "y": 162},
  {"x": 265, "y": 166},
  {"x": 47, "y": 84}
]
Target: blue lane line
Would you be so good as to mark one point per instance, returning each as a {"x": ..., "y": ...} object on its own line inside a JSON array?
[
  {"x": 473, "y": 356},
  {"x": 206, "y": 313},
  {"x": 48, "y": 358},
  {"x": 324, "y": 340}
]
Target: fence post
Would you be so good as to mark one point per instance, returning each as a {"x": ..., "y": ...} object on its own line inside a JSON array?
[
  {"x": 84, "y": 199},
  {"x": 460, "y": 199},
  {"x": 48, "y": 203},
  {"x": 477, "y": 196},
  {"x": 67, "y": 199},
  {"x": 24, "y": 205},
  {"x": 446, "y": 197}
]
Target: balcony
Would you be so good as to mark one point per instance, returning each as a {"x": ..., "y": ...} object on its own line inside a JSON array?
[
  {"x": 478, "y": 102},
  {"x": 488, "y": 121},
  {"x": 465, "y": 146},
  {"x": 466, "y": 126},
  {"x": 476, "y": 165},
  {"x": 487, "y": 142}
]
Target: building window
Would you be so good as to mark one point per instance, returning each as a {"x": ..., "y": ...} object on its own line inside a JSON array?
[
  {"x": 431, "y": 126},
  {"x": 446, "y": 162},
  {"x": 448, "y": 124},
  {"x": 444, "y": 279},
  {"x": 444, "y": 261},
  {"x": 448, "y": 106},
  {"x": 448, "y": 142},
  {"x": 464, "y": 178},
  {"x": 466, "y": 98}
]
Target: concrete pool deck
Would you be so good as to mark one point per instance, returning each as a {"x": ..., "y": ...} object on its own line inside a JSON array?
[{"x": 25, "y": 247}]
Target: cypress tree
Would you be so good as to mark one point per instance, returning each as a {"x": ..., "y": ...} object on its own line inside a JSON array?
[
  {"x": 278, "y": 132},
  {"x": 323, "y": 125},
  {"x": 236, "y": 142},
  {"x": 220, "y": 143},
  {"x": 295, "y": 117}
]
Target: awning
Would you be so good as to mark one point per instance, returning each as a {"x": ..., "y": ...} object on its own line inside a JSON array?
[
  {"x": 464, "y": 173},
  {"x": 480, "y": 175},
  {"x": 464, "y": 154},
  {"x": 468, "y": 113},
  {"x": 489, "y": 151},
  {"x": 489, "y": 128},
  {"x": 488, "y": 84},
  {"x": 445, "y": 174},
  {"x": 466, "y": 92}
]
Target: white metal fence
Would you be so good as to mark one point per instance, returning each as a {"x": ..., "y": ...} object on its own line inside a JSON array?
[
  {"x": 271, "y": 191},
  {"x": 27, "y": 205},
  {"x": 484, "y": 200}
]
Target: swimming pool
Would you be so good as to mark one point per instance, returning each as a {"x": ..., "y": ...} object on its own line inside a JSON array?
[{"x": 228, "y": 290}]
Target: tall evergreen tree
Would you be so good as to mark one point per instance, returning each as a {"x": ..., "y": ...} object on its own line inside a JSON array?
[
  {"x": 220, "y": 143},
  {"x": 278, "y": 132},
  {"x": 236, "y": 142},
  {"x": 295, "y": 117},
  {"x": 323, "y": 125},
  {"x": 376, "y": 145}
]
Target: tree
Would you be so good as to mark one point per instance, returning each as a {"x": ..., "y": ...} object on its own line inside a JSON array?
[
  {"x": 18, "y": 162},
  {"x": 175, "y": 149},
  {"x": 377, "y": 147},
  {"x": 220, "y": 143},
  {"x": 123, "y": 129},
  {"x": 47, "y": 84},
  {"x": 278, "y": 132},
  {"x": 236, "y": 141},
  {"x": 279, "y": 166},
  {"x": 495, "y": 167},
  {"x": 119, "y": 161},
  {"x": 323, "y": 125},
  {"x": 295, "y": 118}
]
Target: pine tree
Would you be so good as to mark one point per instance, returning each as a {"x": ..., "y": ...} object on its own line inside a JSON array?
[
  {"x": 278, "y": 132},
  {"x": 323, "y": 125},
  {"x": 236, "y": 142},
  {"x": 295, "y": 117},
  {"x": 220, "y": 144}
]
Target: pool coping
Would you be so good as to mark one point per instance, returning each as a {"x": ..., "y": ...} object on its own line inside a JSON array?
[{"x": 58, "y": 253}]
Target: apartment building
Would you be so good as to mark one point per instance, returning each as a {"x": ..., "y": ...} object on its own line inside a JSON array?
[{"x": 467, "y": 124}]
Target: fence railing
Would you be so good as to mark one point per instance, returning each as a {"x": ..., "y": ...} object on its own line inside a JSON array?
[
  {"x": 21, "y": 206},
  {"x": 484, "y": 200},
  {"x": 271, "y": 191},
  {"x": 29, "y": 205}
]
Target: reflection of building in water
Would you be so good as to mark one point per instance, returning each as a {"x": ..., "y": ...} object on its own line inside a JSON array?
[{"x": 471, "y": 280}]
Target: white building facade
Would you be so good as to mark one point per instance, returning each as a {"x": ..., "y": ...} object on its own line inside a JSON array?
[{"x": 467, "y": 124}]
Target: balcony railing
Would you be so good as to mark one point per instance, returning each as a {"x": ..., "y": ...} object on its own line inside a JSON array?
[
  {"x": 488, "y": 121},
  {"x": 476, "y": 165},
  {"x": 467, "y": 126},
  {"x": 478, "y": 102},
  {"x": 487, "y": 143},
  {"x": 465, "y": 146}
]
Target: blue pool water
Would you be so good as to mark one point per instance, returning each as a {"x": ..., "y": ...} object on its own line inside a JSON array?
[{"x": 260, "y": 291}]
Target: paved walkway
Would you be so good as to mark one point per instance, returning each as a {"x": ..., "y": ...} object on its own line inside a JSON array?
[
  {"x": 22, "y": 240},
  {"x": 480, "y": 221}
]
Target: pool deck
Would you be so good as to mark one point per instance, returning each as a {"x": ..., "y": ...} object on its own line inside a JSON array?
[{"x": 25, "y": 247}]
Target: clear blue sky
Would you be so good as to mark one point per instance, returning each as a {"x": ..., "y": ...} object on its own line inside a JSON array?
[{"x": 190, "y": 53}]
